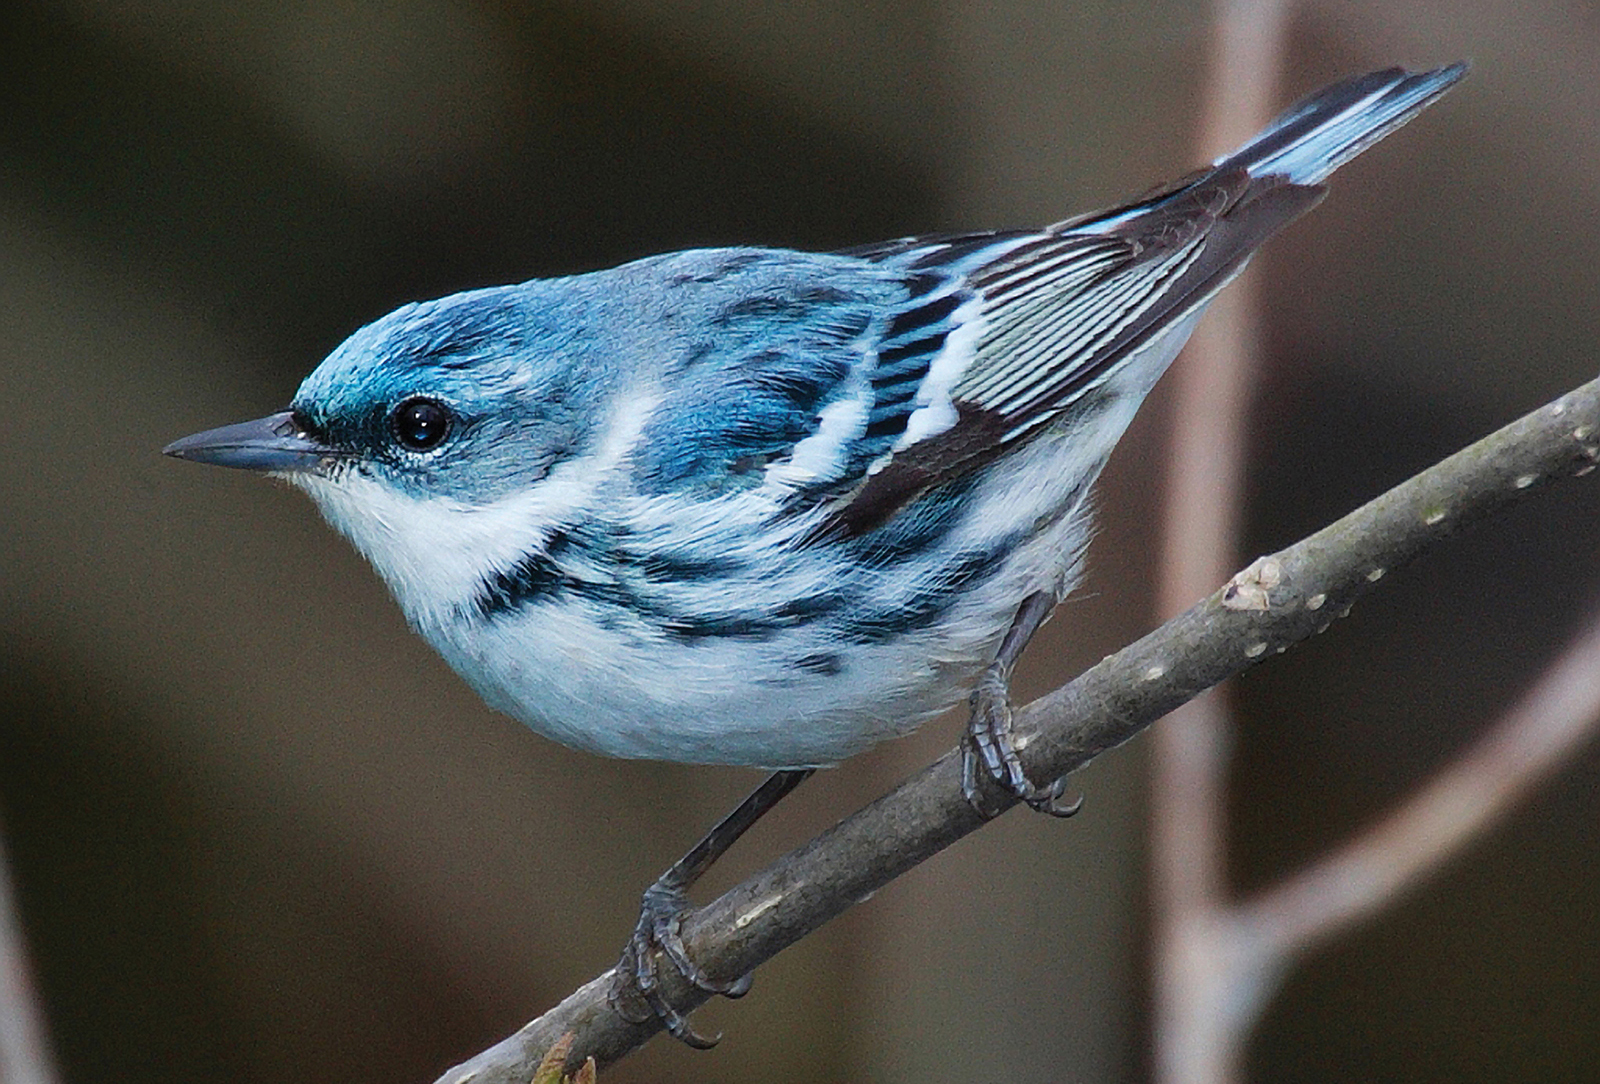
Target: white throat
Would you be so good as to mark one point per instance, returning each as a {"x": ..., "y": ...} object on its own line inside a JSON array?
[{"x": 435, "y": 551}]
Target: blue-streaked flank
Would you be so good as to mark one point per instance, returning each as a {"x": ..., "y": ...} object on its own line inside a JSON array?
[{"x": 756, "y": 506}]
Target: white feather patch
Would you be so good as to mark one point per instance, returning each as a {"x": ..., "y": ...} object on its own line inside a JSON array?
[
  {"x": 817, "y": 457},
  {"x": 936, "y": 409}
]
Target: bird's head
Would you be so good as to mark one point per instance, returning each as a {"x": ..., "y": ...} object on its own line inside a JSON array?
[{"x": 442, "y": 439}]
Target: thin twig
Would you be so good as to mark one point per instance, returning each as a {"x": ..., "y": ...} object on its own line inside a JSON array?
[{"x": 1276, "y": 602}]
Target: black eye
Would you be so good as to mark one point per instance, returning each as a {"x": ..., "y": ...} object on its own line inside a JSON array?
[{"x": 420, "y": 424}]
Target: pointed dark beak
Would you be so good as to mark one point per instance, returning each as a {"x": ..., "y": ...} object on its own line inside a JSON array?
[{"x": 273, "y": 443}]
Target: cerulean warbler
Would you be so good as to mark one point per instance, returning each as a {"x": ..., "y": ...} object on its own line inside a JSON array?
[{"x": 763, "y": 507}]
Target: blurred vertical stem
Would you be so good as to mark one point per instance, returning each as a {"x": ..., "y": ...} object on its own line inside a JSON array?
[
  {"x": 1215, "y": 959},
  {"x": 1200, "y": 1017},
  {"x": 24, "y": 1053}
]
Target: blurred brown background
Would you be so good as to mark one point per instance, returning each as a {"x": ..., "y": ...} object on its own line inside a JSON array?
[{"x": 260, "y": 833}]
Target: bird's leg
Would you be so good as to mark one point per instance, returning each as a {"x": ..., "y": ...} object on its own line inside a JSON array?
[
  {"x": 989, "y": 748},
  {"x": 636, "y": 988}
]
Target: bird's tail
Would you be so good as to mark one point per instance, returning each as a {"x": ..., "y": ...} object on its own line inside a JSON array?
[{"x": 1310, "y": 140}]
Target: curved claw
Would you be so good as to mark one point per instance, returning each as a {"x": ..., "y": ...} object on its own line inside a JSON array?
[
  {"x": 989, "y": 743},
  {"x": 638, "y": 979},
  {"x": 1048, "y": 800}
]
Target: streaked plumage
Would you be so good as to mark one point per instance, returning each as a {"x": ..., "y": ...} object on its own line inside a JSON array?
[
  {"x": 765, "y": 507},
  {"x": 753, "y": 506}
]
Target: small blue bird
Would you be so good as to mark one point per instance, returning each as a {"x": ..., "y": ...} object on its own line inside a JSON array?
[{"x": 763, "y": 507}]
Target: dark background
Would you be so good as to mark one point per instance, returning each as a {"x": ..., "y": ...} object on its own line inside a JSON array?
[{"x": 260, "y": 833}]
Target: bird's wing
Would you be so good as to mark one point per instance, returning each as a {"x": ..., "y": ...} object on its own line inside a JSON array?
[
  {"x": 861, "y": 380},
  {"x": 1039, "y": 321},
  {"x": 1046, "y": 319}
]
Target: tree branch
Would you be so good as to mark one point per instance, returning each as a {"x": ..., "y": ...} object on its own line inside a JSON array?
[{"x": 1276, "y": 602}]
